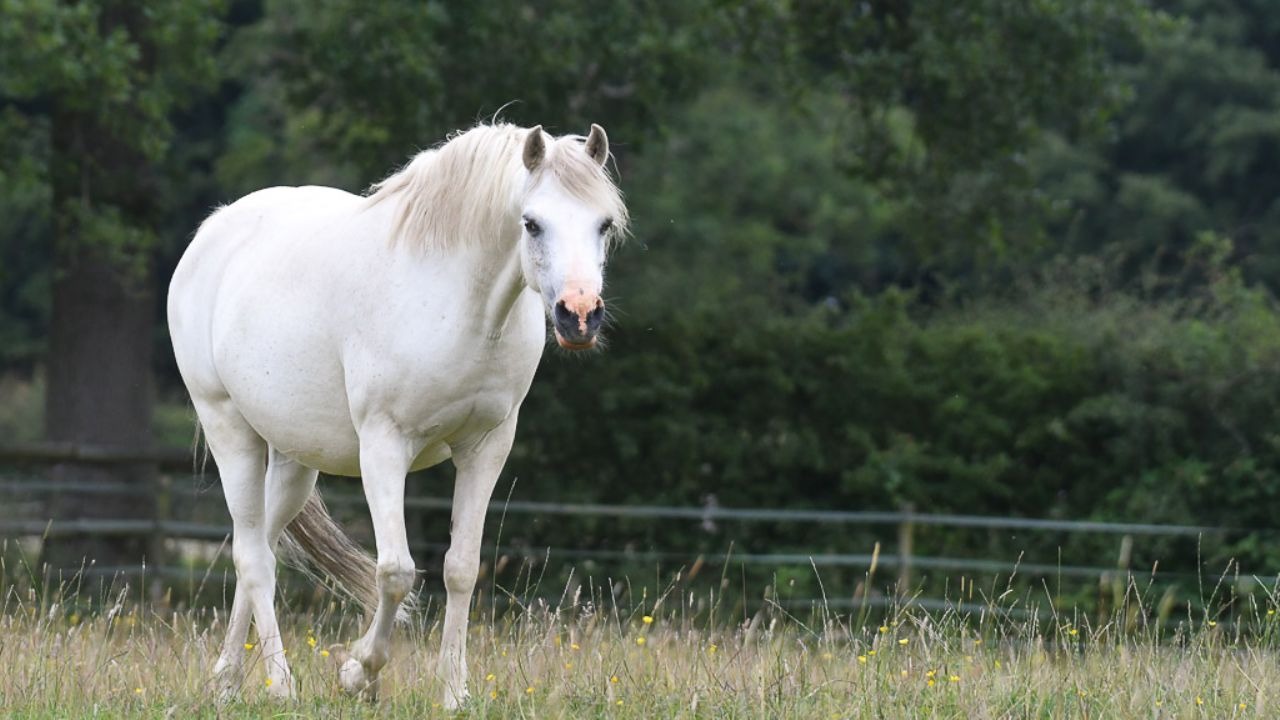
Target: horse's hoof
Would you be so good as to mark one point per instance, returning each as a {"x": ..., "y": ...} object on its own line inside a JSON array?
[
  {"x": 226, "y": 683},
  {"x": 282, "y": 690},
  {"x": 455, "y": 700},
  {"x": 356, "y": 681},
  {"x": 227, "y": 693}
]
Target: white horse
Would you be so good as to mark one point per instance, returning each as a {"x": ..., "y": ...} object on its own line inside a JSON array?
[{"x": 318, "y": 330}]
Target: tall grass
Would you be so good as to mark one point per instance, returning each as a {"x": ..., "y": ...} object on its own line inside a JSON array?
[{"x": 74, "y": 652}]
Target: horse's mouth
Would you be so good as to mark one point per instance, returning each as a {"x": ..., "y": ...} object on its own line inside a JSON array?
[{"x": 567, "y": 345}]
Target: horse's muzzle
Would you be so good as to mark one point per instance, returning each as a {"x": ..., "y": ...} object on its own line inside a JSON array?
[{"x": 577, "y": 322}]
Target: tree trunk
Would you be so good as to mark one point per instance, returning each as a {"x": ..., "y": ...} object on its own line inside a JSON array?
[{"x": 100, "y": 342}]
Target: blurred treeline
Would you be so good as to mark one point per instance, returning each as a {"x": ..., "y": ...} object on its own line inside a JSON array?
[{"x": 988, "y": 257}]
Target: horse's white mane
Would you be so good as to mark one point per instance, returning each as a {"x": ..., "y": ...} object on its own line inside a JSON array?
[{"x": 471, "y": 188}]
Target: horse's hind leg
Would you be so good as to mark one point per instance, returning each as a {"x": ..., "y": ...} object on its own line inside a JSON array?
[
  {"x": 241, "y": 455},
  {"x": 288, "y": 485}
]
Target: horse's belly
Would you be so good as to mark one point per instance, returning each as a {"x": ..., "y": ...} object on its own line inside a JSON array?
[{"x": 307, "y": 423}]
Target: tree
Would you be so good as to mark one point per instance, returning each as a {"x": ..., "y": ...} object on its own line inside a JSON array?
[{"x": 97, "y": 82}]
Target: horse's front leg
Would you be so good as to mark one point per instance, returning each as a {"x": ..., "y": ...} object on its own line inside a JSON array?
[
  {"x": 478, "y": 468},
  {"x": 385, "y": 458}
]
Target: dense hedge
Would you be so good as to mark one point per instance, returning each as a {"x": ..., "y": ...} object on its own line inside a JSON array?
[{"x": 1062, "y": 400}]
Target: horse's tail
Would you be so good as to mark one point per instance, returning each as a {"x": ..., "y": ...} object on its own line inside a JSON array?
[{"x": 314, "y": 535}]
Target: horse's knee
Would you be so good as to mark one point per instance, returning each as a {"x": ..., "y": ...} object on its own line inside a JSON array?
[
  {"x": 460, "y": 571},
  {"x": 395, "y": 579}
]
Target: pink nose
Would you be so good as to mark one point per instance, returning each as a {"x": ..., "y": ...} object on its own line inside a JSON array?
[{"x": 577, "y": 318}]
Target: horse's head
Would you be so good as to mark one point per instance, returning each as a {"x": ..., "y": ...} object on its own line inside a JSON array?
[{"x": 571, "y": 212}]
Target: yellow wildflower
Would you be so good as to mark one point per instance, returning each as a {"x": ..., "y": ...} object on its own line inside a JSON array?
[
  {"x": 137, "y": 691},
  {"x": 312, "y": 642},
  {"x": 903, "y": 641},
  {"x": 568, "y": 666},
  {"x": 884, "y": 628},
  {"x": 647, "y": 619},
  {"x": 862, "y": 659},
  {"x": 268, "y": 682},
  {"x": 640, "y": 640},
  {"x": 1073, "y": 632},
  {"x": 871, "y": 653},
  {"x": 1213, "y": 623},
  {"x": 324, "y": 653},
  {"x": 493, "y": 694},
  {"x": 1243, "y": 706},
  {"x": 931, "y": 673},
  {"x": 930, "y": 682},
  {"x": 490, "y": 677},
  {"x": 248, "y": 646},
  {"x": 954, "y": 678},
  {"x": 904, "y": 673},
  {"x": 528, "y": 690},
  {"x": 614, "y": 679},
  {"x": 1199, "y": 700},
  {"x": 619, "y": 703},
  {"x": 574, "y": 647}
]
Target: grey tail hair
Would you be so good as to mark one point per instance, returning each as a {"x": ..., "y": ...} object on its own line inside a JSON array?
[
  {"x": 199, "y": 449},
  {"x": 313, "y": 535}
]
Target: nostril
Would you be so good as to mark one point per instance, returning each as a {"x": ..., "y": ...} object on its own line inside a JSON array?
[
  {"x": 595, "y": 317},
  {"x": 563, "y": 316}
]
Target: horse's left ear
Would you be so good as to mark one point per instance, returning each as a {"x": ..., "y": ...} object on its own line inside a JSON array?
[{"x": 598, "y": 144}]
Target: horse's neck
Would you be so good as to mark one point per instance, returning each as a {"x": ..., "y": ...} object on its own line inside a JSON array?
[
  {"x": 507, "y": 282},
  {"x": 486, "y": 272}
]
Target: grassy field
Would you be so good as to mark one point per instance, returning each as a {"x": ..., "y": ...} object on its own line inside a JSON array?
[{"x": 674, "y": 657}]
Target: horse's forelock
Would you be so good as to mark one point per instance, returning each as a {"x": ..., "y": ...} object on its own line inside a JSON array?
[{"x": 587, "y": 180}]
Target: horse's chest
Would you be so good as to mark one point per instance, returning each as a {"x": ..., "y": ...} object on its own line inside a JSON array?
[{"x": 451, "y": 400}]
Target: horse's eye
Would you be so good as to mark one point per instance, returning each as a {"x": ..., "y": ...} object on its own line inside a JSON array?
[
  {"x": 532, "y": 227},
  {"x": 606, "y": 226}
]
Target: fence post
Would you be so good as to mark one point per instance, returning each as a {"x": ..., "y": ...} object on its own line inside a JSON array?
[
  {"x": 906, "y": 537},
  {"x": 163, "y": 504}
]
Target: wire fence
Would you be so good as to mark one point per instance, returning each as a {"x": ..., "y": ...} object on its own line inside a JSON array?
[{"x": 203, "y": 491}]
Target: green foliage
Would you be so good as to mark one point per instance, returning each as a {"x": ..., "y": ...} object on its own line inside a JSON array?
[
  {"x": 130, "y": 83},
  {"x": 379, "y": 81},
  {"x": 979, "y": 82},
  {"x": 88, "y": 95},
  {"x": 1193, "y": 151}
]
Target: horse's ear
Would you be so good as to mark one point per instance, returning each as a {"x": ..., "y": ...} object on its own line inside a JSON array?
[
  {"x": 598, "y": 144},
  {"x": 535, "y": 149}
]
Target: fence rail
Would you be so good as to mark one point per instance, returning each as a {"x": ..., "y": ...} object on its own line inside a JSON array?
[{"x": 44, "y": 454}]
